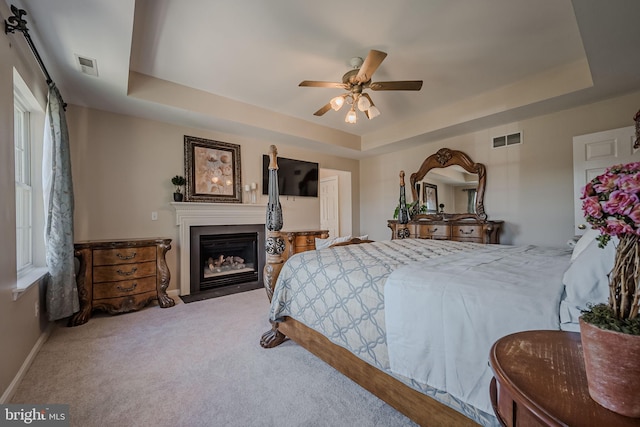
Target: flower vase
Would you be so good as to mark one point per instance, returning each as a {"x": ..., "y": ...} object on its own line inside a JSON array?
[
  {"x": 612, "y": 367},
  {"x": 612, "y": 361}
]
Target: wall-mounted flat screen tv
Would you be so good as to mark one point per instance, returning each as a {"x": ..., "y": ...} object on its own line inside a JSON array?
[{"x": 295, "y": 177}]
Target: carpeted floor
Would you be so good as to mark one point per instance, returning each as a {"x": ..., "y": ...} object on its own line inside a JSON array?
[{"x": 197, "y": 364}]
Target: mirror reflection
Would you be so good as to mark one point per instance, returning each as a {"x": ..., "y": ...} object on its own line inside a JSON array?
[{"x": 452, "y": 187}]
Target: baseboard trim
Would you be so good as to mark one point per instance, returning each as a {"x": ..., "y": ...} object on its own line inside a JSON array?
[
  {"x": 173, "y": 293},
  {"x": 11, "y": 390}
]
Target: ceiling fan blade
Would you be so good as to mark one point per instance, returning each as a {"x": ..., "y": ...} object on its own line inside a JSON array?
[
  {"x": 323, "y": 110},
  {"x": 311, "y": 83},
  {"x": 370, "y": 65},
  {"x": 397, "y": 85}
]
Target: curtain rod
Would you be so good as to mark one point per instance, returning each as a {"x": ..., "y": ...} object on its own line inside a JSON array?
[{"x": 16, "y": 22}]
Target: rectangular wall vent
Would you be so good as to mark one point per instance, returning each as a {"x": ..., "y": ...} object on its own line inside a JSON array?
[
  {"x": 507, "y": 140},
  {"x": 87, "y": 65}
]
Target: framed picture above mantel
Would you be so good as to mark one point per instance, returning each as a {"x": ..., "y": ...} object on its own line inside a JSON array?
[{"x": 212, "y": 169}]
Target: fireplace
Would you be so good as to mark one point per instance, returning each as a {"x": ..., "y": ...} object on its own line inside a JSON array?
[
  {"x": 225, "y": 259},
  {"x": 195, "y": 214}
]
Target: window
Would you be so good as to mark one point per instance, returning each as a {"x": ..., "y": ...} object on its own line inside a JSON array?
[
  {"x": 24, "y": 193},
  {"x": 28, "y": 122}
]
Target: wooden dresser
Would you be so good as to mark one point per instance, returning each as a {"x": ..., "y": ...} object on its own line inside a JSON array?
[
  {"x": 118, "y": 276},
  {"x": 300, "y": 241},
  {"x": 462, "y": 230},
  {"x": 539, "y": 380}
]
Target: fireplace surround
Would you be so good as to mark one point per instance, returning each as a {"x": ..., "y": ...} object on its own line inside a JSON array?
[{"x": 194, "y": 214}]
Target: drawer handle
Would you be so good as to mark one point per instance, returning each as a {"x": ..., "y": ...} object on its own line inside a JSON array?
[
  {"x": 133, "y": 255},
  {"x": 127, "y": 273},
  {"x": 433, "y": 230},
  {"x": 466, "y": 232},
  {"x": 129, "y": 289}
]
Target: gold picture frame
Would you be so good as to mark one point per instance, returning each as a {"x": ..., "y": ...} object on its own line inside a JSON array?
[{"x": 212, "y": 169}]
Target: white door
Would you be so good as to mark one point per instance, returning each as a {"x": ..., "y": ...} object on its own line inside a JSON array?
[
  {"x": 330, "y": 206},
  {"x": 592, "y": 154}
]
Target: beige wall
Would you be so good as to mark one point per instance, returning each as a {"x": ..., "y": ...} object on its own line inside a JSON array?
[
  {"x": 122, "y": 169},
  {"x": 529, "y": 186},
  {"x": 20, "y": 329}
]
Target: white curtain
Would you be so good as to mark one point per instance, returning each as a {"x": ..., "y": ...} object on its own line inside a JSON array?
[{"x": 62, "y": 292}]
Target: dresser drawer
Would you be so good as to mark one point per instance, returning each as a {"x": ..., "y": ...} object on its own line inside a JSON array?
[
  {"x": 124, "y": 288},
  {"x": 123, "y": 255},
  {"x": 112, "y": 273},
  {"x": 432, "y": 231},
  {"x": 467, "y": 232},
  {"x": 307, "y": 242}
]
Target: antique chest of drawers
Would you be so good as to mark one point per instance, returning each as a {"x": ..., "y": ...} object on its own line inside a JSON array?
[
  {"x": 300, "y": 241},
  {"x": 459, "y": 230},
  {"x": 121, "y": 276}
]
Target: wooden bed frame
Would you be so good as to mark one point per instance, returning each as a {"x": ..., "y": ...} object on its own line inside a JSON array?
[{"x": 417, "y": 406}]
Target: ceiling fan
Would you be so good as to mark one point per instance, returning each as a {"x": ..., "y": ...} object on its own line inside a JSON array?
[{"x": 355, "y": 81}]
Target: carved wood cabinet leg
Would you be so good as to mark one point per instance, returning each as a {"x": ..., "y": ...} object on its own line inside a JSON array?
[
  {"x": 164, "y": 276},
  {"x": 85, "y": 288},
  {"x": 273, "y": 337}
]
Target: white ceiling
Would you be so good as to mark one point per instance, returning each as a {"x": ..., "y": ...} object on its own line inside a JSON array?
[{"x": 233, "y": 66}]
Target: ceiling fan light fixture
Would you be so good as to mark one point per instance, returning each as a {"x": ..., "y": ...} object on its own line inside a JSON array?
[
  {"x": 351, "y": 116},
  {"x": 363, "y": 103},
  {"x": 337, "y": 102},
  {"x": 354, "y": 82},
  {"x": 373, "y": 112}
]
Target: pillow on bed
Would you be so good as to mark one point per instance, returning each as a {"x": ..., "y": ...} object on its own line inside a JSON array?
[
  {"x": 586, "y": 280},
  {"x": 588, "y": 237},
  {"x": 325, "y": 243}
]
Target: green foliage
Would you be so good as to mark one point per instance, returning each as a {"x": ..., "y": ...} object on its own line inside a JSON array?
[
  {"x": 178, "y": 180},
  {"x": 602, "y": 316},
  {"x": 421, "y": 209}
]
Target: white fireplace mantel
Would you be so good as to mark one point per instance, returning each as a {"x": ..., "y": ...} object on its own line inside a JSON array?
[{"x": 190, "y": 214}]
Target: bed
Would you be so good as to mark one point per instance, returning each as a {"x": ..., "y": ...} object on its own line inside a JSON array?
[{"x": 412, "y": 320}]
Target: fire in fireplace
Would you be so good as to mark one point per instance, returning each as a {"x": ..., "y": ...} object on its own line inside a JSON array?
[{"x": 226, "y": 259}]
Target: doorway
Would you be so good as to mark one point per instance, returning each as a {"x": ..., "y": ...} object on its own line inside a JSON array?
[{"x": 335, "y": 202}]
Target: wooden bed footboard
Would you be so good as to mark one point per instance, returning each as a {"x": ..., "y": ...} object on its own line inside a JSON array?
[{"x": 417, "y": 406}]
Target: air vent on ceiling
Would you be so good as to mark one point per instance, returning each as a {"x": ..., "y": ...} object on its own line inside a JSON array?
[
  {"x": 87, "y": 65},
  {"x": 507, "y": 140}
]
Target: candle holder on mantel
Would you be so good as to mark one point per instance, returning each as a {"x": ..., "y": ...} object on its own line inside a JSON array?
[
  {"x": 254, "y": 192},
  {"x": 247, "y": 192}
]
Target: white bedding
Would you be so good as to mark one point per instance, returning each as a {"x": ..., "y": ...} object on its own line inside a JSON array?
[{"x": 443, "y": 314}]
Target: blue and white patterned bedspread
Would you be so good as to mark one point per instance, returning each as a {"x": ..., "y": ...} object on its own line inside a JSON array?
[{"x": 339, "y": 292}]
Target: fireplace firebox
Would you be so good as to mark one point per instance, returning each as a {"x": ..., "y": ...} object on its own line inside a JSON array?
[{"x": 225, "y": 259}]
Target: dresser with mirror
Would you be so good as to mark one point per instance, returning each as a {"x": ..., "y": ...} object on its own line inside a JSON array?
[{"x": 447, "y": 201}]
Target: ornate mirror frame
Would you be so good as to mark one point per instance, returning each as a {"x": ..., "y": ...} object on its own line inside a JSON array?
[{"x": 442, "y": 159}]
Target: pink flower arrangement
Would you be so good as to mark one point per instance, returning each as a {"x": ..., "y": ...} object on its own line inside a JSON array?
[{"x": 611, "y": 202}]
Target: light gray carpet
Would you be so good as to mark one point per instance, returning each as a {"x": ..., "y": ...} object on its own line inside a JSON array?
[{"x": 197, "y": 364}]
